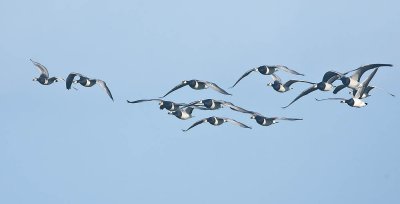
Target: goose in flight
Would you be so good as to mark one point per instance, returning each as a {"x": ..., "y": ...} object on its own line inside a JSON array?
[
  {"x": 356, "y": 101},
  {"x": 217, "y": 121},
  {"x": 325, "y": 85},
  {"x": 182, "y": 113},
  {"x": 212, "y": 104},
  {"x": 197, "y": 85},
  {"x": 44, "y": 78},
  {"x": 267, "y": 121},
  {"x": 87, "y": 82},
  {"x": 169, "y": 105},
  {"x": 278, "y": 86},
  {"x": 353, "y": 82},
  {"x": 267, "y": 70}
]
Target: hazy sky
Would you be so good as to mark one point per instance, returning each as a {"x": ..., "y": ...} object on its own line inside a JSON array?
[{"x": 60, "y": 146}]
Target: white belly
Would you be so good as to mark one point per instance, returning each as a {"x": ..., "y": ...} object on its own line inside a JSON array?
[
  {"x": 328, "y": 87},
  {"x": 282, "y": 89},
  {"x": 353, "y": 84},
  {"x": 185, "y": 116},
  {"x": 87, "y": 83},
  {"x": 358, "y": 103}
]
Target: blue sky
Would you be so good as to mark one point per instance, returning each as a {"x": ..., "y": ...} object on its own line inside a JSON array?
[{"x": 60, "y": 146}]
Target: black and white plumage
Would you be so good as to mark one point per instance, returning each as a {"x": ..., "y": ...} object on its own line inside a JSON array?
[
  {"x": 198, "y": 85},
  {"x": 169, "y": 105},
  {"x": 325, "y": 85},
  {"x": 87, "y": 82},
  {"x": 267, "y": 70},
  {"x": 44, "y": 77},
  {"x": 281, "y": 87},
  {"x": 182, "y": 113},
  {"x": 212, "y": 104},
  {"x": 356, "y": 101},
  {"x": 217, "y": 121},
  {"x": 353, "y": 81},
  {"x": 267, "y": 121}
]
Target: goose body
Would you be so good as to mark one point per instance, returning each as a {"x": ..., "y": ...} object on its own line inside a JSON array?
[
  {"x": 87, "y": 82},
  {"x": 169, "y": 105},
  {"x": 44, "y": 78}
]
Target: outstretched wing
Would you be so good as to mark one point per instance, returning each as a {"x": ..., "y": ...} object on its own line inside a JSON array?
[
  {"x": 331, "y": 76},
  {"x": 276, "y": 78},
  {"x": 326, "y": 99},
  {"x": 195, "y": 124},
  {"x": 364, "y": 85},
  {"x": 175, "y": 88},
  {"x": 42, "y": 69},
  {"x": 360, "y": 71},
  {"x": 284, "y": 118},
  {"x": 339, "y": 88},
  {"x": 216, "y": 88},
  {"x": 70, "y": 79},
  {"x": 290, "y": 82},
  {"x": 286, "y": 69},
  {"x": 244, "y": 75},
  {"x": 105, "y": 88},
  {"x": 234, "y": 107},
  {"x": 236, "y": 122},
  {"x": 143, "y": 100},
  {"x": 305, "y": 92}
]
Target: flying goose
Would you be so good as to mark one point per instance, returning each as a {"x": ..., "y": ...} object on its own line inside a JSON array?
[
  {"x": 267, "y": 70},
  {"x": 44, "y": 75},
  {"x": 324, "y": 85},
  {"x": 278, "y": 86},
  {"x": 267, "y": 121},
  {"x": 353, "y": 82},
  {"x": 86, "y": 82},
  {"x": 169, "y": 105},
  {"x": 182, "y": 113},
  {"x": 197, "y": 85},
  {"x": 212, "y": 104},
  {"x": 217, "y": 121},
  {"x": 356, "y": 101}
]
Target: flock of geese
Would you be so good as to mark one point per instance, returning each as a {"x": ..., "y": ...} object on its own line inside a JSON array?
[{"x": 358, "y": 90}]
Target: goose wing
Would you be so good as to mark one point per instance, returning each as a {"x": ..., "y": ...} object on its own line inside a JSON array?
[
  {"x": 364, "y": 85},
  {"x": 331, "y": 76},
  {"x": 195, "y": 124},
  {"x": 235, "y": 122},
  {"x": 276, "y": 78},
  {"x": 305, "y": 92},
  {"x": 326, "y": 99},
  {"x": 290, "y": 82},
  {"x": 244, "y": 75},
  {"x": 175, "y": 88},
  {"x": 339, "y": 88},
  {"x": 103, "y": 85},
  {"x": 360, "y": 71},
  {"x": 42, "y": 69},
  {"x": 285, "y": 118},
  {"x": 286, "y": 69},
  {"x": 70, "y": 79},
  {"x": 216, "y": 88},
  {"x": 143, "y": 100},
  {"x": 233, "y": 107}
]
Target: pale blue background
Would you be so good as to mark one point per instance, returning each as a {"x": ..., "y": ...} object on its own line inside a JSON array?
[{"x": 59, "y": 146}]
